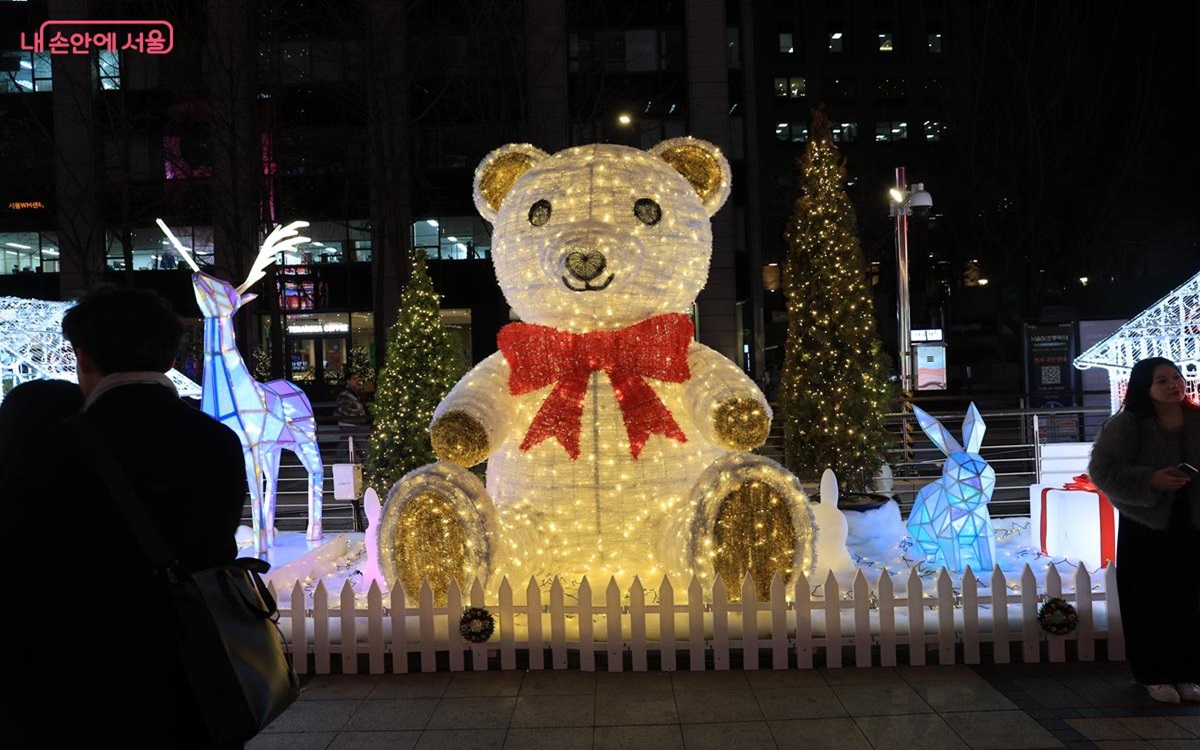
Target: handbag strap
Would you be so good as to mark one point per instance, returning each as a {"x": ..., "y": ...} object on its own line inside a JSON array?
[{"x": 117, "y": 482}]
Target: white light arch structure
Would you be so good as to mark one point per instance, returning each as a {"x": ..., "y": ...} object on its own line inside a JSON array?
[
  {"x": 1169, "y": 328},
  {"x": 32, "y": 346}
]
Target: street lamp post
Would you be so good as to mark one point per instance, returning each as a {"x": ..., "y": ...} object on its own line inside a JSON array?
[{"x": 903, "y": 202}]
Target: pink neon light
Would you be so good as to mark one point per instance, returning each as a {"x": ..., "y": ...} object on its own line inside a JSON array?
[
  {"x": 269, "y": 168},
  {"x": 145, "y": 42}
]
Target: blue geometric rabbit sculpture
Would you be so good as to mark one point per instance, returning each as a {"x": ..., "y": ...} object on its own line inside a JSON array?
[{"x": 950, "y": 521}]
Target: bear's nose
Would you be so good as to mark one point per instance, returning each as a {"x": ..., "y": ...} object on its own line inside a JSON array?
[{"x": 586, "y": 266}]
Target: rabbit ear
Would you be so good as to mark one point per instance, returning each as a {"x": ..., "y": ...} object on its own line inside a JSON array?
[
  {"x": 973, "y": 429},
  {"x": 940, "y": 436}
]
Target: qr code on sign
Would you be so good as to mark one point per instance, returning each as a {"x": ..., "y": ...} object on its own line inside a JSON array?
[{"x": 1051, "y": 376}]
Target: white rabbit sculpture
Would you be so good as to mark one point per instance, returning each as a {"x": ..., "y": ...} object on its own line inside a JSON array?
[{"x": 950, "y": 521}]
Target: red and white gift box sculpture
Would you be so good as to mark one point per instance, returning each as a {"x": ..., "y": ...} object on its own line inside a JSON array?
[{"x": 1075, "y": 521}]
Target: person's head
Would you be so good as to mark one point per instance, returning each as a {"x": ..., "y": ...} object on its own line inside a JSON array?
[
  {"x": 1155, "y": 380},
  {"x": 121, "y": 329},
  {"x": 352, "y": 381},
  {"x": 30, "y": 406}
]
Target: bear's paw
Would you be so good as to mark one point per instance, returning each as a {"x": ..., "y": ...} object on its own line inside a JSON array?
[
  {"x": 742, "y": 423},
  {"x": 458, "y": 437}
]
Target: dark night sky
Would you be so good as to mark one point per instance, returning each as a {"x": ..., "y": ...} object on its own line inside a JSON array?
[{"x": 1076, "y": 151}]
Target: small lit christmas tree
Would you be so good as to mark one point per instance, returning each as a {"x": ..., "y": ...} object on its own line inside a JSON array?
[
  {"x": 358, "y": 362},
  {"x": 424, "y": 360},
  {"x": 262, "y": 363},
  {"x": 834, "y": 388}
]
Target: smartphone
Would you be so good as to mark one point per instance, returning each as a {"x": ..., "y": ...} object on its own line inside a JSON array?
[{"x": 1188, "y": 469}]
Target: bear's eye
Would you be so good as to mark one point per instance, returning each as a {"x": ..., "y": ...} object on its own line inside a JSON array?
[
  {"x": 539, "y": 213},
  {"x": 647, "y": 211}
]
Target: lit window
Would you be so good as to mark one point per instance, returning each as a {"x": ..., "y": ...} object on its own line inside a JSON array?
[
  {"x": 934, "y": 130},
  {"x": 884, "y": 33},
  {"x": 786, "y": 44},
  {"x": 837, "y": 39},
  {"x": 891, "y": 131},
  {"x": 109, "y": 66},
  {"x": 794, "y": 87},
  {"x": 452, "y": 238},
  {"x": 42, "y": 77},
  {"x": 934, "y": 37},
  {"x": 791, "y": 132},
  {"x": 24, "y": 72},
  {"x": 28, "y": 252},
  {"x": 362, "y": 250},
  {"x": 845, "y": 132},
  {"x": 149, "y": 250}
]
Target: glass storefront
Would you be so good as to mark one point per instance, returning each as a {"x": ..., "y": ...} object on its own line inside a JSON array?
[{"x": 318, "y": 346}]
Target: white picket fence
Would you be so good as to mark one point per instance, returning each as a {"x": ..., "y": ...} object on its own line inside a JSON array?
[{"x": 628, "y": 629}]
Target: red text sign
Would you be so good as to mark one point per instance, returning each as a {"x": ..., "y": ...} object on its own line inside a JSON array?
[{"x": 81, "y": 36}]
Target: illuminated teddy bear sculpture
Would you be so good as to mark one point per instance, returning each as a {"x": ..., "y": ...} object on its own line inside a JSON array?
[{"x": 616, "y": 445}]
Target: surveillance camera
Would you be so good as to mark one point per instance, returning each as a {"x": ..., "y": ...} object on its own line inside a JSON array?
[
  {"x": 919, "y": 198},
  {"x": 920, "y": 202}
]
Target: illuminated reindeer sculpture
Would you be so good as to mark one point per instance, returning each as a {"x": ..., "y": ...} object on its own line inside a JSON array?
[{"x": 267, "y": 417}]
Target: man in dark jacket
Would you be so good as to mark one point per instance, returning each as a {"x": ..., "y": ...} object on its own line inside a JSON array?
[
  {"x": 185, "y": 468},
  {"x": 349, "y": 409}
]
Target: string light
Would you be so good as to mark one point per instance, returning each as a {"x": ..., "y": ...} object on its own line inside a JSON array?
[
  {"x": 834, "y": 386},
  {"x": 424, "y": 360},
  {"x": 32, "y": 346},
  {"x": 614, "y": 441}
]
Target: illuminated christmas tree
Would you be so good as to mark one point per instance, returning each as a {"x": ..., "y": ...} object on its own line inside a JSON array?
[
  {"x": 834, "y": 389},
  {"x": 358, "y": 362},
  {"x": 424, "y": 360}
]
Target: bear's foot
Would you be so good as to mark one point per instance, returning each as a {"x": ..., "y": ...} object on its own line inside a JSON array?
[
  {"x": 433, "y": 528},
  {"x": 753, "y": 518},
  {"x": 753, "y": 534}
]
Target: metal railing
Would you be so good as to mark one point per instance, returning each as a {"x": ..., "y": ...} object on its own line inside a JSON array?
[
  {"x": 1010, "y": 446},
  {"x": 291, "y": 496}
]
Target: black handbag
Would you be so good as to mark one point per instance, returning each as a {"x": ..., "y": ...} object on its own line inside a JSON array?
[{"x": 225, "y": 620}]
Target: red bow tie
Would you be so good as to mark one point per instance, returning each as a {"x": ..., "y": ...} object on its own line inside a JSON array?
[{"x": 540, "y": 355}]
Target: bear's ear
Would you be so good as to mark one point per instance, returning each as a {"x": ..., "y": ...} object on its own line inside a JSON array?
[
  {"x": 702, "y": 164},
  {"x": 498, "y": 171}
]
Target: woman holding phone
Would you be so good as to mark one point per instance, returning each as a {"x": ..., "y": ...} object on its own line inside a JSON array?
[{"x": 1140, "y": 461}]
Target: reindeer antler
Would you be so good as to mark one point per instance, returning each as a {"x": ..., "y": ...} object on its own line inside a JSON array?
[
  {"x": 281, "y": 239},
  {"x": 179, "y": 248}
]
